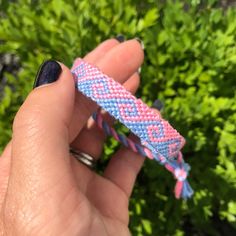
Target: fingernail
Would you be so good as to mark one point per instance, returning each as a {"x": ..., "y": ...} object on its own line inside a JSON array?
[
  {"x": 141, "y": 42},
  {"x": 140, "y": 70},
  {"x": 48, "y": 72},
  {"x": 120, "y": 38},
  {"x": 157, "y": 105}
]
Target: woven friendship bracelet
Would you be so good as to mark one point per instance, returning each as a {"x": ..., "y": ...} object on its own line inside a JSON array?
[{"x": 158, "y": 139}]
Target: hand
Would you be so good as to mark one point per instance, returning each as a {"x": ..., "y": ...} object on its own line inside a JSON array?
[{"x": 46, "y": 191}]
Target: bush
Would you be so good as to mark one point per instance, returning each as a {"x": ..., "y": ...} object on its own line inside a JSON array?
[{"x": 190, "y": 64}]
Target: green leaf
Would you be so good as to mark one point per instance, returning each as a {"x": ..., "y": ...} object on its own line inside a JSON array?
[{"x": 147, "y": 226}]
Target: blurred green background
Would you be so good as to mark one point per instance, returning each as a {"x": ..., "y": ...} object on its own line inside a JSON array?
[{"x": 190, "y": 64}]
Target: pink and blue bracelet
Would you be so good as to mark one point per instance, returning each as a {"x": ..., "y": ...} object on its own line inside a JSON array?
[{"x": 158, "y": 139}]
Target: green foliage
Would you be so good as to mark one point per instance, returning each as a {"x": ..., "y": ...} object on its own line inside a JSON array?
[{"x": 190, "y": 64}]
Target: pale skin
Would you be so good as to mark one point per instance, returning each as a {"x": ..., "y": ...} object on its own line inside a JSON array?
[{"x": 46, "y": 191}]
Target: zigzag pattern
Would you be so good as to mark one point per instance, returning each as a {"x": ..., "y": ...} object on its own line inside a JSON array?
[{"x": 154, "y": 132}]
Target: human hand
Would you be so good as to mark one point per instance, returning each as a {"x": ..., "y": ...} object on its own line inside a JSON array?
[{"x": 46, "y": 191}]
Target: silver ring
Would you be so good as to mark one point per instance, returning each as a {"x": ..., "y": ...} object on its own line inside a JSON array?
[{"x": 83, "y": 157}]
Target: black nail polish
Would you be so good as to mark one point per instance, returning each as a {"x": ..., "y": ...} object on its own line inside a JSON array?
[
  {"x": 48, "y": 73},
  {"x": 120, "y": 38},
  {"x": 157, "y": 105}
]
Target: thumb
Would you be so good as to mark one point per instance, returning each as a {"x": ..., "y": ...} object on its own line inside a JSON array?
[{"x": 40, "y": 157}]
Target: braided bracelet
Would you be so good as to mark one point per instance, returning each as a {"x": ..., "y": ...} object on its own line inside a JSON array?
[{"x": 158, "y": 139}]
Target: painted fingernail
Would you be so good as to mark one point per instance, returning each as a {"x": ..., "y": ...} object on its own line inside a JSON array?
[
  {"x": 120, "y": 38},
  {"x": 157, "y": 105},
  {"x": 141, "y": 42},
  {"x": 48, "y": 72}
]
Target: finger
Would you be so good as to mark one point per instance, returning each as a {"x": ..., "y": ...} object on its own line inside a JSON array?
[
  {"x": 98, "y": 52},
  {"x": 6, "y": 152},
  {"x": 5, "y": 161},
  {"x": 111, "y": 64},
  {"x": 40, "y": 139},
  {"x": 91, "y": 139},
  {"x": 124, "y": 167}
]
